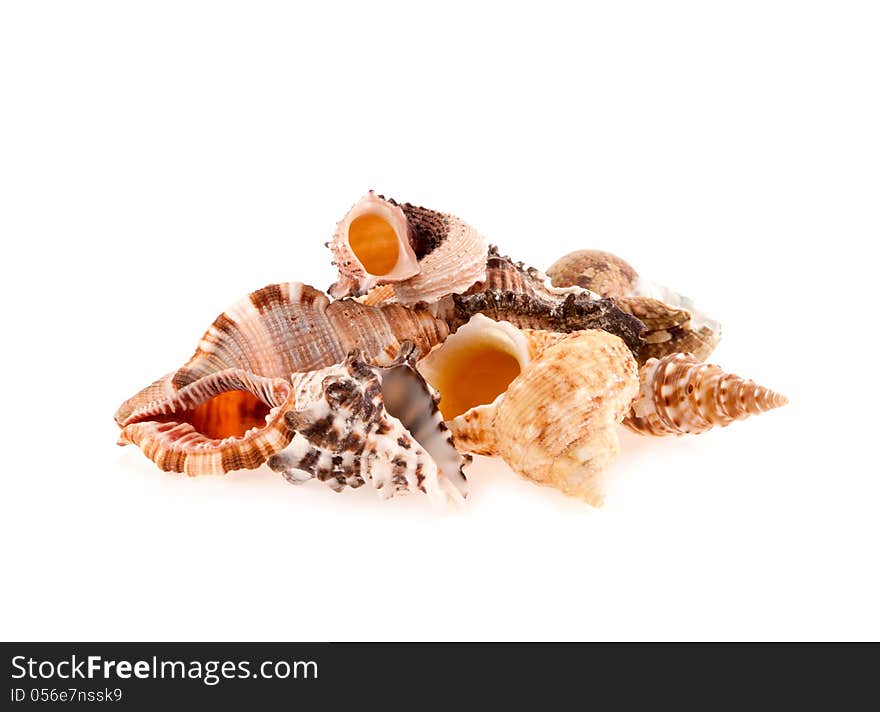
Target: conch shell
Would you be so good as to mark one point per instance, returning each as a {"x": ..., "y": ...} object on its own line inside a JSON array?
[
  {"x": 375, "y": 425},
  {"x": 422, "y": 254},
  {"x": 672, "y": 323},
  {"x": 278, "y": 330},
  {"x": 679, "y": 395},
  {"x": 229, "y": 420},
  {"x": 524, "y": 297},
  {"x": 549, "y": 404}
]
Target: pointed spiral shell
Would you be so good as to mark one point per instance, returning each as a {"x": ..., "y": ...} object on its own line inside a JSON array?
[{"x": 679, "y": 395}]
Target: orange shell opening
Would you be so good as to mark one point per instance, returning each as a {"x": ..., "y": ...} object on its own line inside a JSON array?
[
  {"x": 229, "y": 414},
  {"x": 374, "y": 243},
  {"x": 474, "y": 376}
]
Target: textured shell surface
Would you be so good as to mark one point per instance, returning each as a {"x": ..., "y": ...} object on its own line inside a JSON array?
[
  {"x": 471, "y": 371},
  {"x": 548, "y": 403},
  {"x": 672, "y": 322},
  {"x": 275, "y": 331},
  {"x": 371, "y": 425},
  {"x": 557, "y": 424},
  {"x": 421, "y": 254},
  {"x": 228, "y": 420},
  {"x": 524, "y": 297},
  {"x": 679, "y": 395},
  {"x": 600, "y": 272}
]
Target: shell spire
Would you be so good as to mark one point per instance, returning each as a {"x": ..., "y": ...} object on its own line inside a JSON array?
[{"x": 680, "y": 395}]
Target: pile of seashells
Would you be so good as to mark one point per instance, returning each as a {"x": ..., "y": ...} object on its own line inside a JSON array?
[{"x": 434, "y": 346}]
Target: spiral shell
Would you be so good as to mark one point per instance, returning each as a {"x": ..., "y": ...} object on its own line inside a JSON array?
[
  {"x": 547, "y": 403},
  {"x": 422, "y": 254},
  {"x": 287, "y": 328},
  {"x": 223, "y": 410},
  {"x": 374, "y": 425},
  {"x": 679, "y": 395}
]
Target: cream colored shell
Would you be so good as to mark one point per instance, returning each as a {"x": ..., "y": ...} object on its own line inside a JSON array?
[{"x": 556, "y": 422}]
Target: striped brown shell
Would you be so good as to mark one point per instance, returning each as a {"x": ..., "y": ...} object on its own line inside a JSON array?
[
  {"x": 228, "y": 420},
  {"x": 276, "y": 331},
  {"x": 679, "y": 395}
]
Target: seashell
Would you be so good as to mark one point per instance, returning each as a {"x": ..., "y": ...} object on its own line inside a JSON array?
[
  {"x": 670, "y": 329},
  {"x": 287, "y": 328},
  {"x": 600, "y": 272},
  {"x": 548, "y": 403},
  {"x": 672, "y": 322},
  {"x": 228, "y": 420},
  {"x": 524, "y": 297},
  {"x": 678, "y": 395},
  {"x": 421, "y": 253},
  {"x": 375, "y": 425}
]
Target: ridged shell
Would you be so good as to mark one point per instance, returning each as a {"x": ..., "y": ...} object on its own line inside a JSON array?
[
  {"x": 373, "y": 425},
  {"x": 422, "y": 254},
  {"x": 557, "y": 424},
  {"x": 474, "y": 352},
  {"x": 556, "y": 421},
  {"x": 524, "y": 297},
  {"x": 228, "y": 420},
  {"x": 679, "y": 395},
  {"x": 672, "y": 322},
  {"x": 287, "y": 328}
]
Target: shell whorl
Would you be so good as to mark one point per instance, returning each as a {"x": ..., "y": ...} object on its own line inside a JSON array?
[
  {"x": 679, "y": 395},
  {"x": 292, "y": 327}
]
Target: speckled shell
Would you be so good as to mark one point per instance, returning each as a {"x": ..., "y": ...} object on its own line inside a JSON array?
[
  {"x": 672, "y": 322},
  {"x": 371, "y": 425},
  {"x": 287, "y": 328},
  {"x": 556, "y": 424},
  {"x": 524, "y": 297},
  {"x": 175, "y": 445},
  {"x": 438, "y": 254},
  {"x": 600, "y": 272},
  {"x": 680, "y": 395}
]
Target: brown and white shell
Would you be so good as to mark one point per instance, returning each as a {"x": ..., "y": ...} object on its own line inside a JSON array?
[
  {"x": 680, "y": 395},
  {"x": 672, "y": 322},
  {"x": 524, "y": 297},
  {"x": 549, "y": 404},
  {"x": 421, "y": 254},
  {"x": 371, "y": 425},
  {"x": 275, "y": 331}
]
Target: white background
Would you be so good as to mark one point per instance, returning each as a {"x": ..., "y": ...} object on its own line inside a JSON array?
[{"x": 158, "y": 161}]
